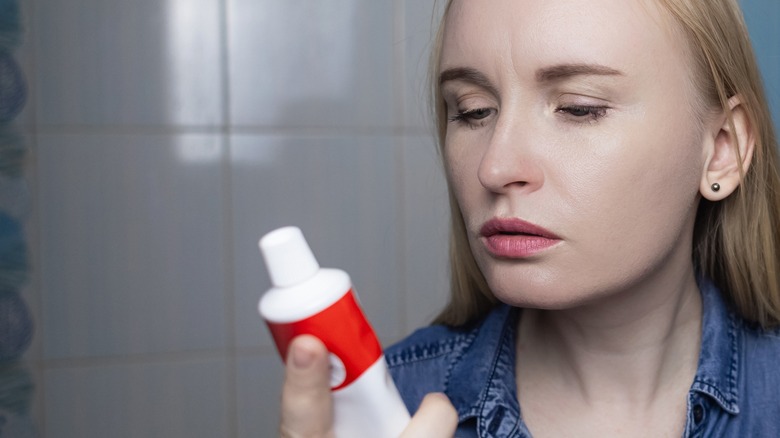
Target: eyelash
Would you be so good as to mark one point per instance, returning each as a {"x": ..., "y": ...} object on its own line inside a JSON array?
[
  {"x": 470, "y": 117},
  {"x": 583, "y": 113},
  {"x": 578, "y": 113}
]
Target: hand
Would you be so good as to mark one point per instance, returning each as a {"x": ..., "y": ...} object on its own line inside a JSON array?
[
  {"x": 436, "y": 417},
  {"x": 307, "y": 405}
]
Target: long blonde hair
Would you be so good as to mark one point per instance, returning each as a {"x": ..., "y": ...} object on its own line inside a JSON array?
[{"x": 736, "y": 240}]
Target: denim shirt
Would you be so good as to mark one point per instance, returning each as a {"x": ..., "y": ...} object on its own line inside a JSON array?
[{"x": 735, "y": 393}]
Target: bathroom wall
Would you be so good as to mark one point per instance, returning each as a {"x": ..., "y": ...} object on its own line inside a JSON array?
[{"x": 164, "y": 137}]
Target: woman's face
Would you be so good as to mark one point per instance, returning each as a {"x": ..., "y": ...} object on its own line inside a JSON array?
[{"x": 571, "y": 145}]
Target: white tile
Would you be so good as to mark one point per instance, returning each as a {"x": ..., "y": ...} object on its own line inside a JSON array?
[
  {"x": 122, "y": 62},
  {"x": 426, "y": 225},
  {"x": 421, "y": 19},
  {"x": 259, "y": 387},
  {"x": 131, "y": 244},
  {"x": 184, "y": 399},
  {"x": 342, "y": 192},
  {"x": 303, "y": 63}
]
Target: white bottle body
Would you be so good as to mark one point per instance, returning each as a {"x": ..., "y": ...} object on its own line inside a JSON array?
[{"x": 366, "y": 401}]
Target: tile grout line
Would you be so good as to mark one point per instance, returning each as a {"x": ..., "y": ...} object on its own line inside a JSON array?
[
  {"x": 399, "y": 53},
  {"x": 228, "y": 244},
  {"x": 36, "y": 279}
]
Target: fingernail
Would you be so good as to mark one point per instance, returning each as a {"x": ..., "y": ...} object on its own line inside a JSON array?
[{"x": 302, "y": 358}]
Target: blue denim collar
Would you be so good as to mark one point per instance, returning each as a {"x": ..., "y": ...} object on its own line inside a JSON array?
[
  {"x": 718, "y": 371},
  {"x": 481, "y": 383}
]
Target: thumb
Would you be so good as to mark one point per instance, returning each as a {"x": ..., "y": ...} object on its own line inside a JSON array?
[
  {"x": 307, "y": 406},
  {"x": 436, "y": 417}
]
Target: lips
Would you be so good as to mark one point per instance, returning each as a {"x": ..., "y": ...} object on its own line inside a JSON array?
[{"x": 516, "y": 238}]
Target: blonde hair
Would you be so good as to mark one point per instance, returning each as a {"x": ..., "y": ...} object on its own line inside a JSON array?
[{"x": 736, "y": 240}]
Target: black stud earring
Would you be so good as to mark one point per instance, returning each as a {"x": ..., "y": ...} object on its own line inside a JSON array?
[{"x": 715, "y": 187}]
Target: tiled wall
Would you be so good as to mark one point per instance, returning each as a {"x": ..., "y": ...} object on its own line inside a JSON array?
[{"x": 165, "y": 138}]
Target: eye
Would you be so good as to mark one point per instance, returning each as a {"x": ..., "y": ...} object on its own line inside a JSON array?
[
  {"x": 472, "y": 117},
  {"x": 583, "y": 112}
]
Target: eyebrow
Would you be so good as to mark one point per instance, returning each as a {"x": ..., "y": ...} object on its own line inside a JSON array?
[
  {"x": 543, "y": 75},
  {"x": 565, "y": 71},
  {"x": 467, "y": 74}
]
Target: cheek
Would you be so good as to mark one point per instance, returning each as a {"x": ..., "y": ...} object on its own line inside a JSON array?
[
  {"x": 668, "y": 165},
  {"x": 462, "y": 164},
  {"x": 643, "y": 189}
]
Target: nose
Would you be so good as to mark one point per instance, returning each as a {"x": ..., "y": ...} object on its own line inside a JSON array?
[{"x": 508, "y": 162}]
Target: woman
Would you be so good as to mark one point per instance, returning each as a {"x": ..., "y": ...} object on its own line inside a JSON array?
[{"x": 614, "y": 186}]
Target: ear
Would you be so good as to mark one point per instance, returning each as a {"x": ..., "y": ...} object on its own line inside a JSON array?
[{"x": 729, "y": 149}]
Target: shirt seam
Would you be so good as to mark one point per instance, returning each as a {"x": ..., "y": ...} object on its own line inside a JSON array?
[{"x": 433, "y": 351}]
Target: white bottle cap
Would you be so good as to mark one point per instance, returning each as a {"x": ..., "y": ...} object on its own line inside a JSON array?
[{"x": 288, "y": 257}]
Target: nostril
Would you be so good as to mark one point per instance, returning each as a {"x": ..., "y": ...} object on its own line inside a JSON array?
[
  {"x": 506, "y": 164},
  {"x": 498, "y": 178}
]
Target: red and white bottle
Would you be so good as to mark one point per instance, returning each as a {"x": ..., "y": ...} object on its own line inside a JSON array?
[{"x": 307, "y": 299}]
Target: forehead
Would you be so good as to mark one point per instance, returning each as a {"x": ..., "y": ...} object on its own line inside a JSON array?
[{"x": 628, "y": 35}]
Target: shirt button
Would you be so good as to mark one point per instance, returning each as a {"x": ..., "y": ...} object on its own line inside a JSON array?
[{"x": 698, "y": 414}]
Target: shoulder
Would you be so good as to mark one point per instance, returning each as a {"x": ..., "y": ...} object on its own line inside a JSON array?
[
  {"x": 760, "y": 360},
  {"x": 431, "y": 357},
  {"x": 421, "y": 362},
  {"x": 738, "y": 369},
  {"x": 758, "y": 381},
  {"x": 425, "y": 344},
  {"x": 435, "y": 342}
]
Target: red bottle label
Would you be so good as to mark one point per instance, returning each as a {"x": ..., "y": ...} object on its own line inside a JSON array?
[{"x": 343, "y": 328}]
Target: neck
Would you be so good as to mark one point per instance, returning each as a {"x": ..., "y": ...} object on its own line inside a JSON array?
[{"x": 633, "y": 347}]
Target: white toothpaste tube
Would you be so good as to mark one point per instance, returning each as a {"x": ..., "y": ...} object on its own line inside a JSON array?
[{"x": 307, "y": 299}]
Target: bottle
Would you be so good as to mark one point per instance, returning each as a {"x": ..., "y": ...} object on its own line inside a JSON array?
[{"x": 307, "y": 299}]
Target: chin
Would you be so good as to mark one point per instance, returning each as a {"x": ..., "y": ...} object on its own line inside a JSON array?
[
  {"x": 555, "y": 284},
  {"x": 539, "y": 291},
  {"x": 521, "y": 294}
]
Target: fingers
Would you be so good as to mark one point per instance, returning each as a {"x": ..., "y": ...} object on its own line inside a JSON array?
[
  {"x": 436, "y": 417},
  {"x": 307, "y": 406}
]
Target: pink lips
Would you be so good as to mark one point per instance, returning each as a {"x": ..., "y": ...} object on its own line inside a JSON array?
[{"x": 516, "y": 238}]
